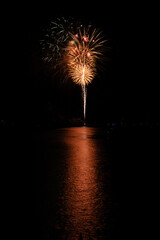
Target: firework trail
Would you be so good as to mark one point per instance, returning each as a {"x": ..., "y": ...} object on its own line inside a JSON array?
[{"x": 76, "y": 50}]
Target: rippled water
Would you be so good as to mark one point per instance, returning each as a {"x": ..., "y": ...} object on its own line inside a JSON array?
[{"x": 74, "y": 184}]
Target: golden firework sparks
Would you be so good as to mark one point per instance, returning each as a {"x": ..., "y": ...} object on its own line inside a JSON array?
[
  {"x": 81, "y": 55},
  {"x": 76, "y": 50}
]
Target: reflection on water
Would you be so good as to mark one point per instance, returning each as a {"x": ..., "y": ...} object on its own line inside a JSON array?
[{"x": 83, "y": 203}]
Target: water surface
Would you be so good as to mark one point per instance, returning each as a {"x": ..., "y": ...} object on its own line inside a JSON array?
[{"x": 74, "y": 183}]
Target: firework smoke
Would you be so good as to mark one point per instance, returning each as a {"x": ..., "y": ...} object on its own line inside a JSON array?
[{"x": 76, "y": 50}]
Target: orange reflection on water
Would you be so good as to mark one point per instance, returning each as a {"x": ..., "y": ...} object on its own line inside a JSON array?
[{"x": 82, "y": 202}]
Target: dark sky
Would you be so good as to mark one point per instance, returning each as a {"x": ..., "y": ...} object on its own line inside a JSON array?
[{"x": 126, "y": 88}]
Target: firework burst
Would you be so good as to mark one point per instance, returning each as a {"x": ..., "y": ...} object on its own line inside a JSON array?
[
  {"x": 81, "y": 55},
  {"x": 54, "y": 39},
  {"x": 75, "y": 49}
]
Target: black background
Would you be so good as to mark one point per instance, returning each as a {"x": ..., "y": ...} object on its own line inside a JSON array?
[{"x": 126, "y": 89}]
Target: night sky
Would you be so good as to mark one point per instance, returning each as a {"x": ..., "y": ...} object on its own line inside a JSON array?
[
  {"x": 126, "y": 89},
  {"x": 31, "y": 95}
]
